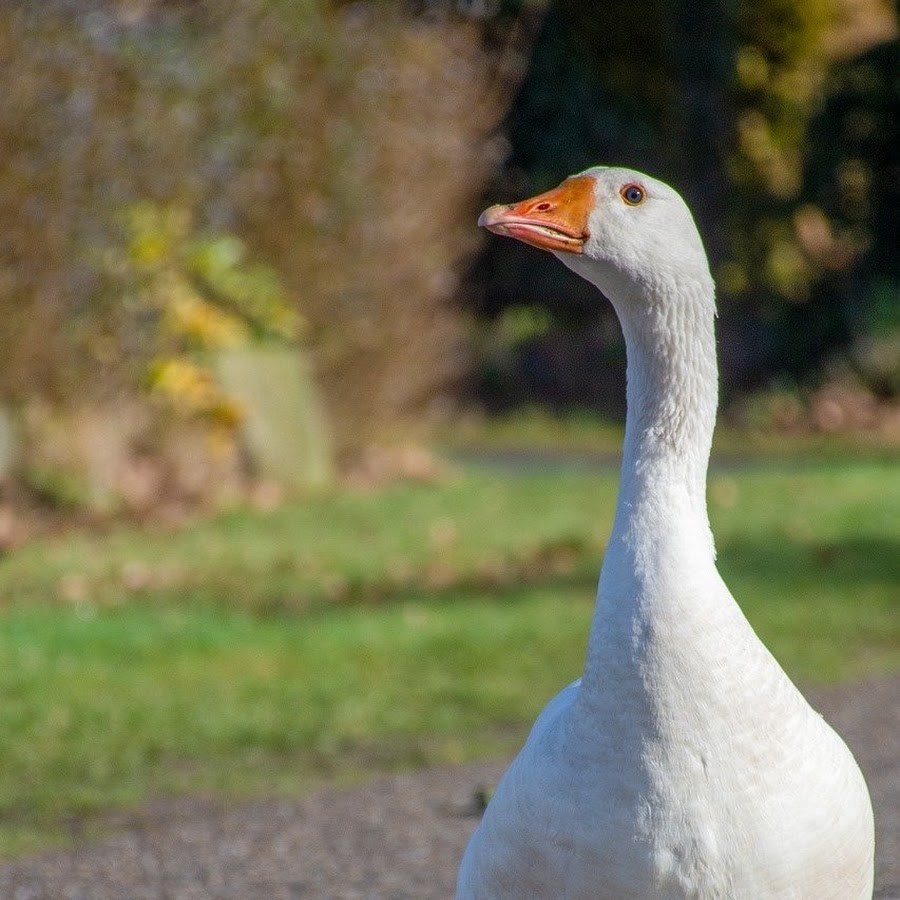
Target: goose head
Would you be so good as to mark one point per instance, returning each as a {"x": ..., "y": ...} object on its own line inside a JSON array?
[{"x": 627, "y": 233}]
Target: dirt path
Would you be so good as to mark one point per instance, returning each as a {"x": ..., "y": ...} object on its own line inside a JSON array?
[{"x": 399, "y": 837}]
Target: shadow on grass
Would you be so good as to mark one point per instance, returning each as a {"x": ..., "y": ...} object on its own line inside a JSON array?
[
  {"x": 760, "y": 570},
  {"x": 508, "y": 585},
  {"x": 784, "y": 561},
  {"x": 775, "y": 566}
]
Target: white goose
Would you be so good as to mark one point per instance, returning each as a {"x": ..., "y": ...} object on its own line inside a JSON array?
[{"x": 684, "y": 763}]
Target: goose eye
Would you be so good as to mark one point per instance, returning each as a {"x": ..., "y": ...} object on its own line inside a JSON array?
[{"x": 633, "y": 194}]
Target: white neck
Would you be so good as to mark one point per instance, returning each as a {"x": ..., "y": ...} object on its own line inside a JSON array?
[
  {"x": 671, "y": 396},
  {"x": 661, "y": 546}
]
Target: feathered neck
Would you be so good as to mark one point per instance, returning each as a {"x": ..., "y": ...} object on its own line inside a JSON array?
[
  {"x": 661, "y": 538},
  {"x": 672, "y": 393}
]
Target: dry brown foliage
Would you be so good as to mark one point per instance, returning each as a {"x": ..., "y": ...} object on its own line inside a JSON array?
[{"x": 345, "y": 147}]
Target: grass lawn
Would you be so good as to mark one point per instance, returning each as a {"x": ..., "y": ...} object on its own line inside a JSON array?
[{"x": 256, "y": 653}]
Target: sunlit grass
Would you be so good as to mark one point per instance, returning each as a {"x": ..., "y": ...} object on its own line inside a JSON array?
[
  {"x": 415, "y": 624},
  {"x": 347, "y": 546}
]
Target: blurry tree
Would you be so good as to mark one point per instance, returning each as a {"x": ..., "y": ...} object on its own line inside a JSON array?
[
  {"x": 342, "y": 146},
  {"x": 815, "y": 130},
  {"x": 778, "y": 72},
  {"x": 849, "y": 224},
  {"x": 184, "y": 297}
]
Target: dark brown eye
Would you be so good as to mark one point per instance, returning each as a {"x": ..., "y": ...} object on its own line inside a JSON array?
[{"x": 633, "y": 194}]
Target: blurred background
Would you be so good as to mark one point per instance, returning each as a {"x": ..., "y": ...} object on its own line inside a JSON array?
[
  {"x": 298, "y": 466},
  {"x": 208, "y": 204}
]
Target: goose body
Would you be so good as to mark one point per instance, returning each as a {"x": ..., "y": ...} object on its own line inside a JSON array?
[{"x": 684, "y": 763}]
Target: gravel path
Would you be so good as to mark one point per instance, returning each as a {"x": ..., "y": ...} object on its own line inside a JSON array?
[{"x": 399, "y": 837}]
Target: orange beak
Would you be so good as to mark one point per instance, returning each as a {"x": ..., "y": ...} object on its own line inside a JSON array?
[{"x": 556, "y": 220}]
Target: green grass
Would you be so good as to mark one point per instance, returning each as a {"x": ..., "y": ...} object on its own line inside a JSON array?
[
  {"x": 417, "y": 624},
  {"x": 536, "y": 430}
]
